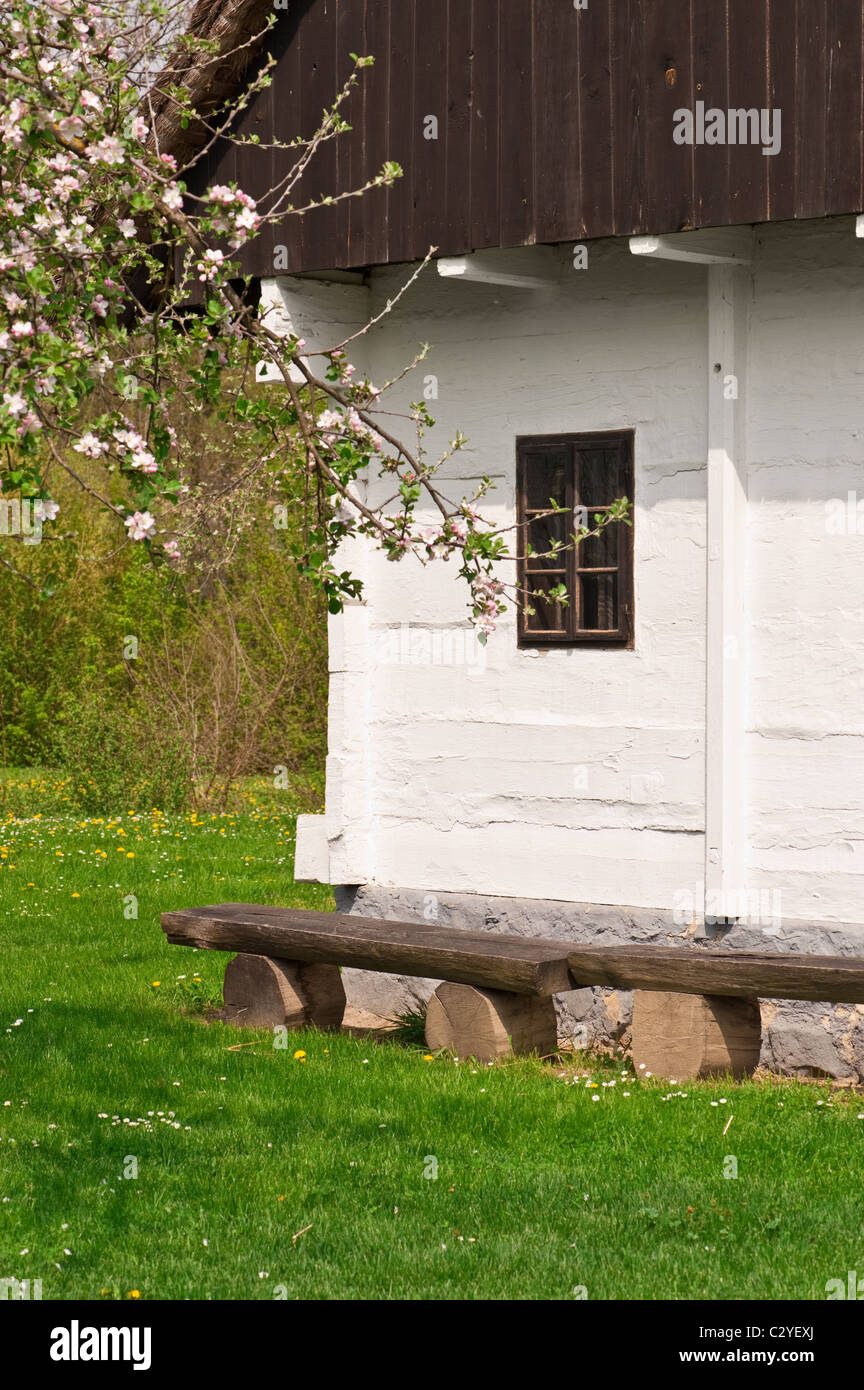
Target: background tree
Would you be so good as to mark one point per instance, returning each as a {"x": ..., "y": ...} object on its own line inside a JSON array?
[{"x": 109, "y": 383}]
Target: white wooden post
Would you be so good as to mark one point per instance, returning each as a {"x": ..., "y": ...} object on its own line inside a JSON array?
[{"x": 725, "y": 711}]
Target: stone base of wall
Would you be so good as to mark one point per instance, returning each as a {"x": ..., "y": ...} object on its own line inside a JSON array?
[{"x": 798, "y": 1038}]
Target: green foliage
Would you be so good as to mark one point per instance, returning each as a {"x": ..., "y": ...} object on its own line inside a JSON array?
[
  {"x": 112, "y": 757},
  {"x": 410, "y": 1028},
  {"x": 141, "y": 689}
]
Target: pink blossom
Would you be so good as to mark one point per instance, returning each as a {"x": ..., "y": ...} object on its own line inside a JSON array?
[
  {"x": 65, "y": 186},
  {"x": 71, "y": 127},
  {"x": 126, "y": 228},
  {"x": 222, "y": 195},
  {"x": 100, "y": 305},
  {"x": 108, "y": 150},
  {"x": 128, "y": 438},
  {"x": 428, "y": 535},
  {"x": 10, "y": 122},
  {"x": 141, "y": 457},
  {"x": 47, "y": 509},
  {"x": 355, "y": 423},
  {"x": 15, "y": 403},
  {"x": 89, "y": 445},
  {"x": 330, "y": 422},
  {"x": 140, "y": 525},
  {"x": 209, "y": 267},
  {"x": 247, "y": 219},
  {"x": 22, "y": 328}
]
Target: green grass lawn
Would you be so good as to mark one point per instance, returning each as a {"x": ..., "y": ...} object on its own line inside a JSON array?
[{"x": 263, "y": 1174}]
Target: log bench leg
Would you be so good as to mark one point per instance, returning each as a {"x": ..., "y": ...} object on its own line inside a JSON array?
[
  {"x": 687, "y": 1036},
  {"x": 262, "y": 992},
  {"x": 490, "y": 1023}
]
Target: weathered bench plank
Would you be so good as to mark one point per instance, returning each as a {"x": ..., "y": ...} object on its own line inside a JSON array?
[
  {"x": 743, "y": 975},
  {"x": 523, "y": 965},
  {"x": 514, "y": 963},
  {"x": 695, "y": 1011}
]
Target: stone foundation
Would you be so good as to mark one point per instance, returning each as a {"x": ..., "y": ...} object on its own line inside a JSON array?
[{"x": 798, "y": 1038}]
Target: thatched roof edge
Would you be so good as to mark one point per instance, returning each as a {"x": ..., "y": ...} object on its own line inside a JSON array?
[{"x": 238, "y": 29}]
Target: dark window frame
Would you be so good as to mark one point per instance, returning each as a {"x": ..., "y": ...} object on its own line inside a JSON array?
[{"x": 573, "y": 635}]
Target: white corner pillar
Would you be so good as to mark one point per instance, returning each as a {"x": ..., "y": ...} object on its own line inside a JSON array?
[
  {"x": 338, "y": 846},
  {"x": 348, "y": 814},
  {"x": 335, "y": 847},
  {"x": 726, "y": 633}
]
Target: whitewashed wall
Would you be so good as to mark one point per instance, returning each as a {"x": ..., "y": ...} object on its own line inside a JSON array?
[
  {"x": 805, "y": 741},
  {"x": 578, "y": 775}
]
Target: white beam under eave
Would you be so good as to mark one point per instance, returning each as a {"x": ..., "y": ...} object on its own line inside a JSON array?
[
  {"x": 726, "y": 628},
  {"x": 713, "y": 246},
  {"x": 481, "y": 268}
]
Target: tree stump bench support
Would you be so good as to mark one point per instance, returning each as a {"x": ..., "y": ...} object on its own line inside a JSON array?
[
  {"x": 692, "y": 1036},
  {"x": 261, "y": 992},
  {"x": 695, "y": 1011},
  {"x": 490, "y": 1023}
]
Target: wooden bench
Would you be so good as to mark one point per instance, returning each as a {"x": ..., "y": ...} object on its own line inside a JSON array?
[{"x": 695, "y": 1011}]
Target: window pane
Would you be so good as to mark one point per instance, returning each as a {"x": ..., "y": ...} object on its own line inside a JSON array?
[
  {"x": 542, "y": 532},
  {"x": 600, "y": 550},
  {"x": 598, "y": 477},
  {"x": 548, "y": 616},
  {"x": 546, "y": 477},
  {"x": 599, "y": 602},
  {"x": 575, "y": 472}
]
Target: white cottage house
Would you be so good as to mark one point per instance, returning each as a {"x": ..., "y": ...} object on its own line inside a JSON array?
[{"x": 618, "y": 303}]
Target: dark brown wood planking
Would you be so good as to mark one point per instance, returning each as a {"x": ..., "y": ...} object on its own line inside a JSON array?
[{"x": 555, "y": 123}]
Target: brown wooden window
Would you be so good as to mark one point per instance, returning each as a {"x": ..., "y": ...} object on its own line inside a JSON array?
[{"x": 589, "y": 471}]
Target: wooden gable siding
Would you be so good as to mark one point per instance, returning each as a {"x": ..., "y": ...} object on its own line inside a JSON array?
[{"x": 554, "y": 123}]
